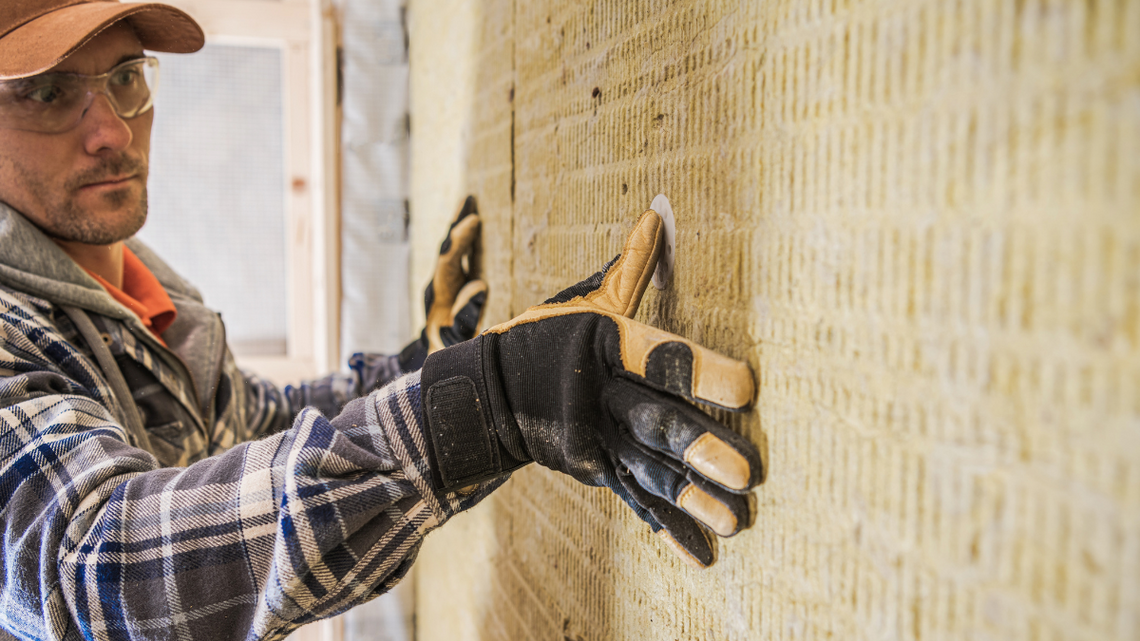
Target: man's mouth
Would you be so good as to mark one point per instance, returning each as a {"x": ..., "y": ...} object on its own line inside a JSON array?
[{"x": 110, "y": 183}]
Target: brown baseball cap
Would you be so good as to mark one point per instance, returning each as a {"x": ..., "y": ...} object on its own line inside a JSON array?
[{"x": 36, "y": 35}]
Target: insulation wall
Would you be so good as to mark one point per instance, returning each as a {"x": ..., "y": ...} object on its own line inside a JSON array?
[{"x": 918, "y": 221}]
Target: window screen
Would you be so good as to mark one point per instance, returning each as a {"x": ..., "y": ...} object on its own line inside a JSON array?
[{"x": 217, "y": 199}]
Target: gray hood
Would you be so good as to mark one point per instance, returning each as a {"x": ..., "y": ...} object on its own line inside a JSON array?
[{"x": 30, "y": 262}]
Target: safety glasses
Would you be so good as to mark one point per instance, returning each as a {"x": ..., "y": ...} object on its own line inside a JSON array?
[{"x": 56, "y": 102}]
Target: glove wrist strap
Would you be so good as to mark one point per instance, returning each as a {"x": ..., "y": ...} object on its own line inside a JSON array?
[
  {"x": 412, "y": 356},
  {"x": 462, "y": 435}
]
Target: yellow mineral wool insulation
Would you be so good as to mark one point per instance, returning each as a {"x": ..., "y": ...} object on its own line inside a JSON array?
[{"x": 916, "y": 220}]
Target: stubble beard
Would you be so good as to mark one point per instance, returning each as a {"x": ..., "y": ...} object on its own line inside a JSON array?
[{"x": 65, "y": 219}]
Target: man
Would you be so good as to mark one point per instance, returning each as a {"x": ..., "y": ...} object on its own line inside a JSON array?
[{"x": 149, "y": 489}]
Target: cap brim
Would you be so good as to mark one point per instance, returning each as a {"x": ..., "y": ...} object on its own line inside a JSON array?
[{"x": 46, "y": 41}]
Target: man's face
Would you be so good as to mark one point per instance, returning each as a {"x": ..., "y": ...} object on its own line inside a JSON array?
[{"x": 86, "y": 185}]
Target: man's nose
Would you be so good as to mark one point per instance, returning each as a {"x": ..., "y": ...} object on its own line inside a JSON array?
[{"x": 103, "y": 129}]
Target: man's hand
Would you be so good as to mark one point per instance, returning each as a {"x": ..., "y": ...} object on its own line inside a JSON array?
[
  {"x": 455, "y": 297},
  {"x": 578, "y": 386}
]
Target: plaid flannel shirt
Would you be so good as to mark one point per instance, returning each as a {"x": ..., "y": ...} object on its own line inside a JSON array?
[{"x": 263, "y": 517}]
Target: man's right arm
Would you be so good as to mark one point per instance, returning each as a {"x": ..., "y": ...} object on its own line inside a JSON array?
[
  {"x": 99, "y": 542},
  {"x": 453, "y": 307}
]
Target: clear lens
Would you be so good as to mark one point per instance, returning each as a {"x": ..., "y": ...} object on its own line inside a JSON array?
[
  {"x": 40, "y": 102},
  {"x": 56, "y": 102},
  {"x": 131, "y": 87}
]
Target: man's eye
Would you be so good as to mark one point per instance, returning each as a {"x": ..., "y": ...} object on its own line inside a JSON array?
[
  {"x": 125, "y": 77},
  {"x": 47, "y": 94}
]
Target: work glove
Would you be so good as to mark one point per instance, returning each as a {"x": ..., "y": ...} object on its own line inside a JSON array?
[
  {"x": 578, "y": 386},
  {"x": 455, "y": 297}
]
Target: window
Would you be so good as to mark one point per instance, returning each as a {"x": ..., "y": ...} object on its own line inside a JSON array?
[{"x": 244, "y": 175}]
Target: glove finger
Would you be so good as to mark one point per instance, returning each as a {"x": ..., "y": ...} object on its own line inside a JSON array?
[
  {"x": 460, "y": 242},
  {"x": 677, "y": 365},
  {"x": 685, "y": 434},
  {"x": 469, "y": 208},
  {"x": 723, "y": 512},
  {"x": 613, "y": 479},
  {"x": 445, "y": 249},
  {"x": 466, "y": 314},
  {"x": 680, "y": 532},
  {"x": 684, "y": 536}
]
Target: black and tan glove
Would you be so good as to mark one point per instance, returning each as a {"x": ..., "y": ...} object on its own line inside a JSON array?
[
  {"x": 578, "y": 386},
  {"x": 455, "y": 297}
]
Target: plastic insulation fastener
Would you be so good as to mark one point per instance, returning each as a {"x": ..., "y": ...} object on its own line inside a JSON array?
[{"x": 664, "y": 272}]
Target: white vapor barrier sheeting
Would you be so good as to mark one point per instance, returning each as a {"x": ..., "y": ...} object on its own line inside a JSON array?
[
  {"x": 375, "y": 250},
  {"x": 217, "y": 208},
  {"x": 374, "y": 310}
]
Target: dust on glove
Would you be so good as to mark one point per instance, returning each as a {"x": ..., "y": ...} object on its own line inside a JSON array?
[
  {"x": 455, "y": 297},
  {"x": 576, "y": 385}
]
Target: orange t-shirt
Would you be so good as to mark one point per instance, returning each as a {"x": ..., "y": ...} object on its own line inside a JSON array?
[{"x": 142, "y": 294}]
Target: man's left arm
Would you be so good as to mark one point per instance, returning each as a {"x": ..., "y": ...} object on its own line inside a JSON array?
[
  {"x": 271, "y": 409},
  {"x": 454, "y": 301}
]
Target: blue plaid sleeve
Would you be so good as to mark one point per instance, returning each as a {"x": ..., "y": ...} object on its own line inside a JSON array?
[
  {"x": 101, "y": 543},
  {"x": 272, "y": 409}
]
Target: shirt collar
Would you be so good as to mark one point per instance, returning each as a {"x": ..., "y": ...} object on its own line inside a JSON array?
[{"x": 142, "y": 294}]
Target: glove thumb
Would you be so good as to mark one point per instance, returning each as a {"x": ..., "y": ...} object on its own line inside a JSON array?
[
  {"x": 618, "y": 288},
  {"x": 467, "y": 312}
]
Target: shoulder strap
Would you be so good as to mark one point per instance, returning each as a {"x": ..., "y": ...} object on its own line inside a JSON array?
[{"x": 127, "y": 411}]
